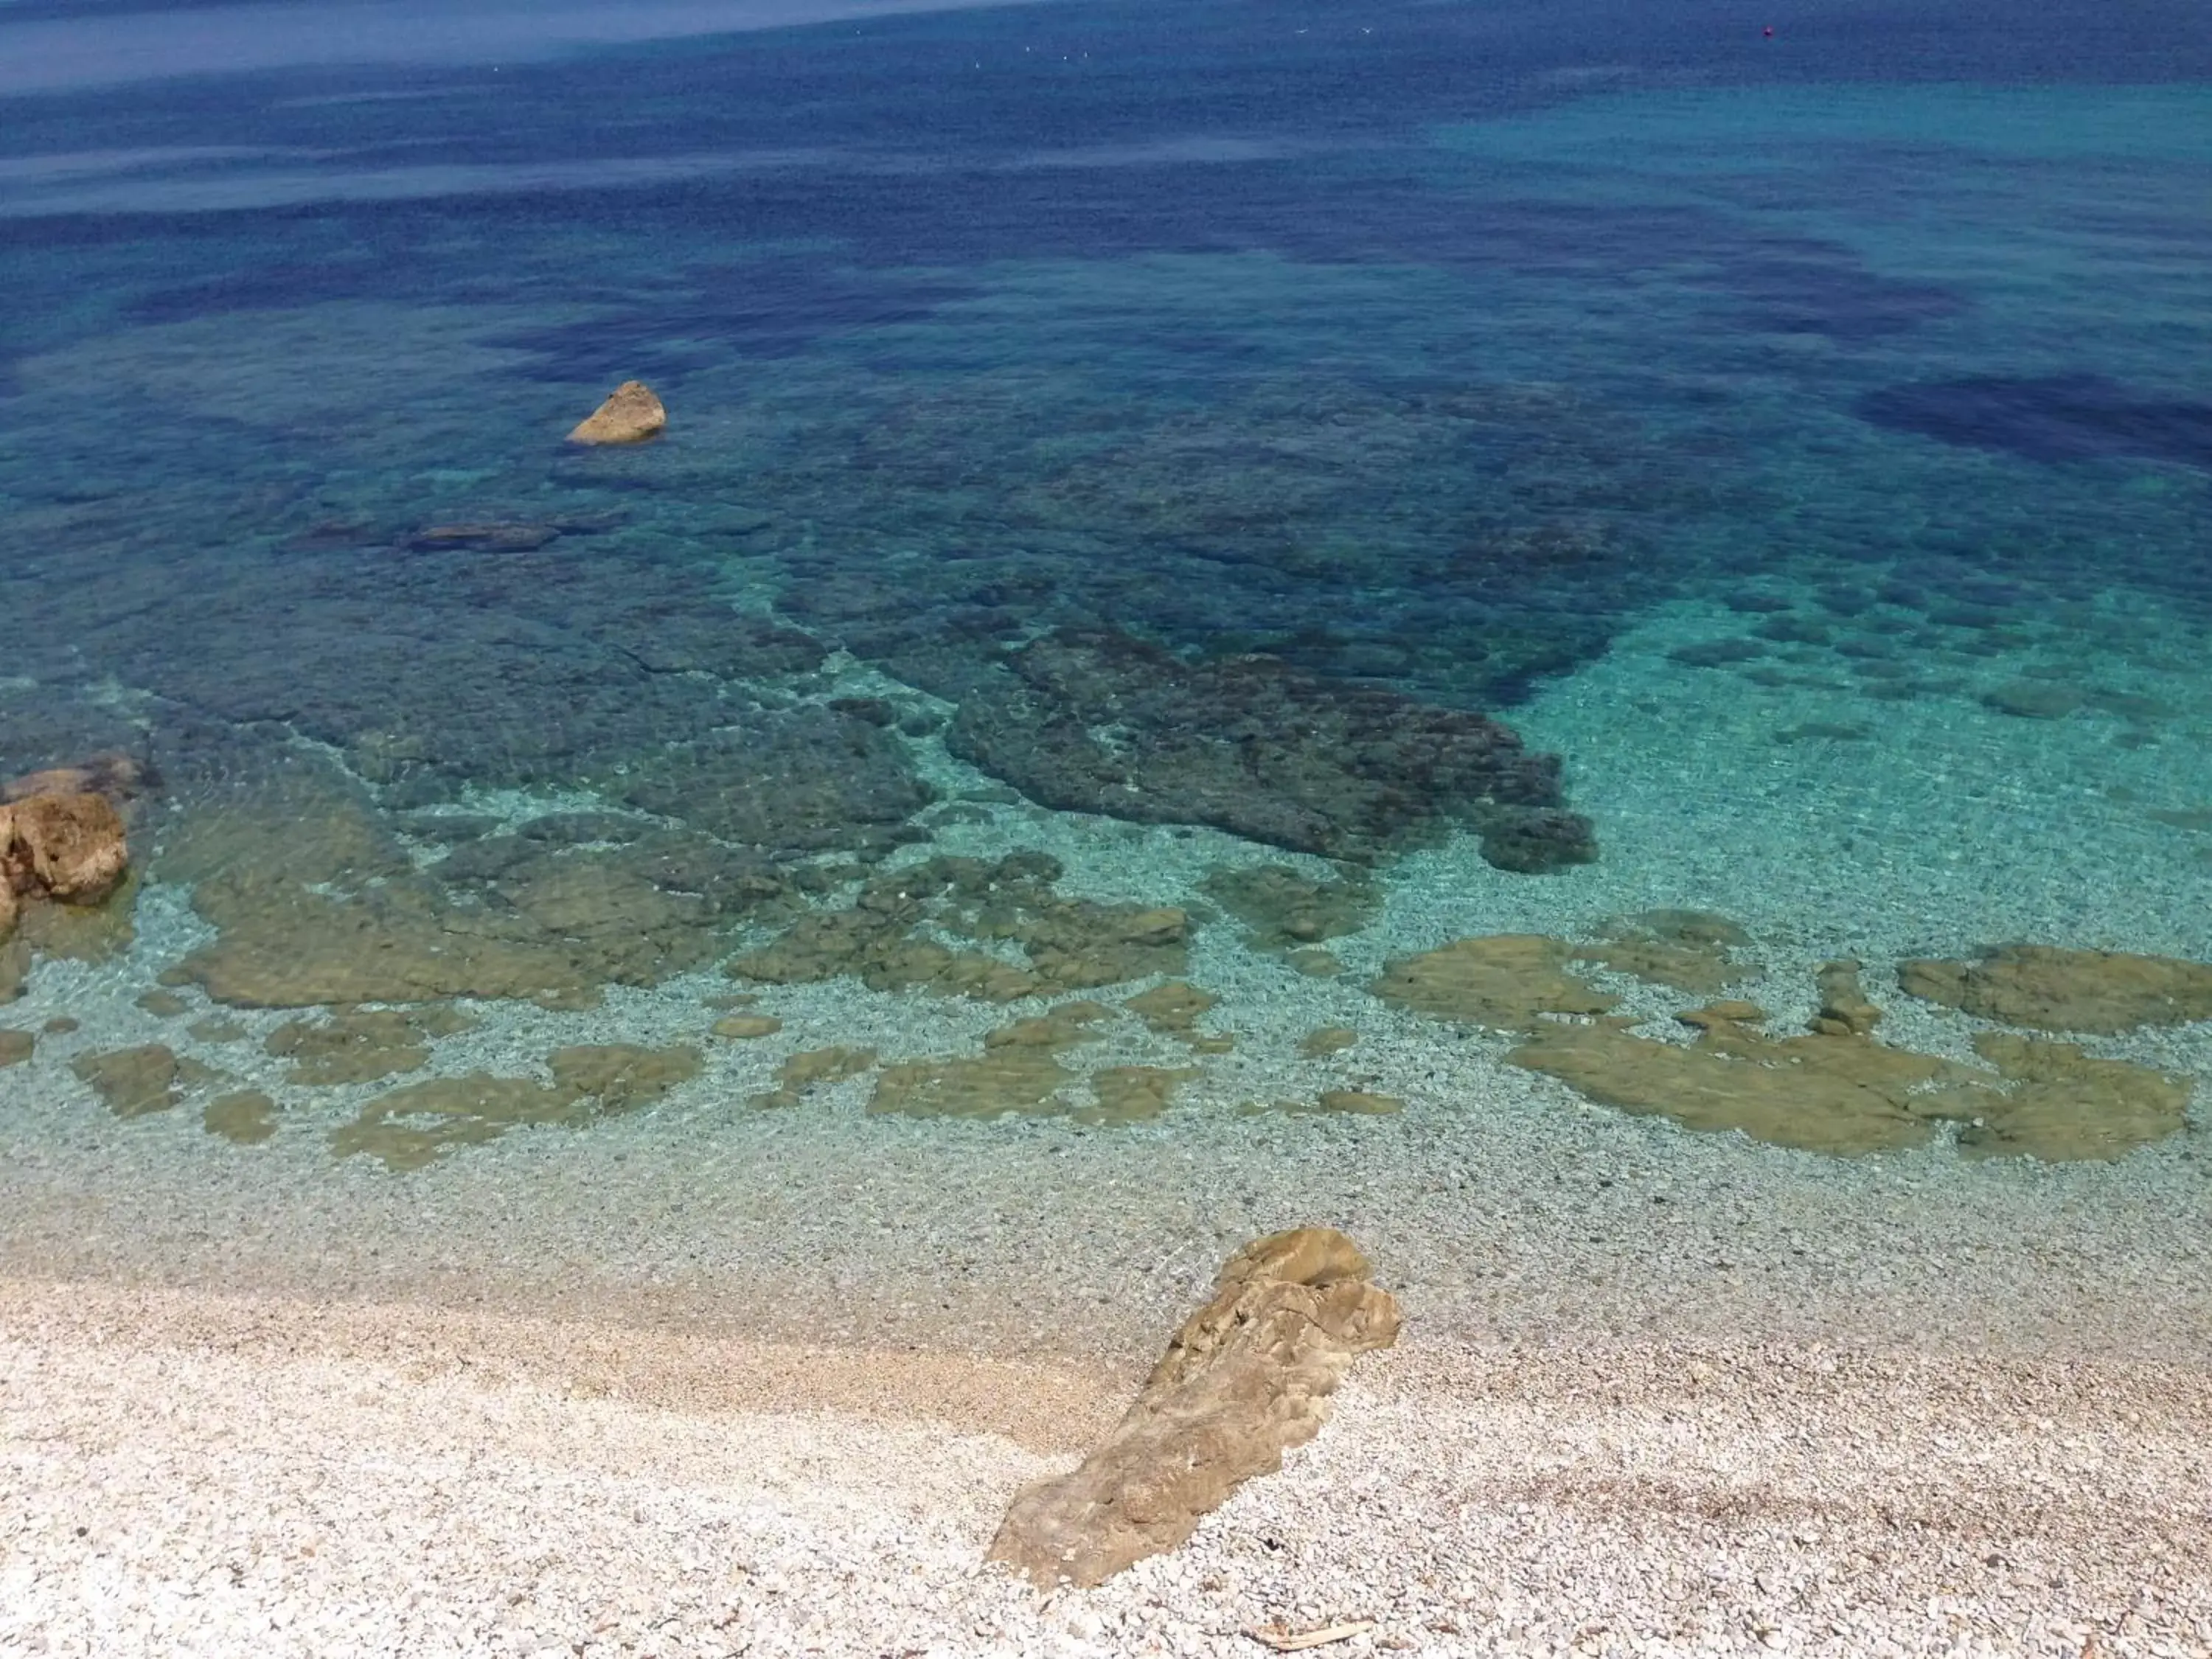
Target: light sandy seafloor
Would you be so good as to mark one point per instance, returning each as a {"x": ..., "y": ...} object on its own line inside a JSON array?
[{"x": 1678, "y": 1391}]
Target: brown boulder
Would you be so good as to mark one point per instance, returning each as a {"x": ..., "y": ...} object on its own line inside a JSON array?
[
  {"x": 63, "y": 846},
  {"x": 630, "y": 415},
  {"x": 1247, "y": 1376}
]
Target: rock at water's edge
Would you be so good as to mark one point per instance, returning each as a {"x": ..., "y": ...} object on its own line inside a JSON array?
[
  {"x": 1247, "y": 1376},
  {"x": 630, "y": 415},
  {"x": 63, "y": 846}
]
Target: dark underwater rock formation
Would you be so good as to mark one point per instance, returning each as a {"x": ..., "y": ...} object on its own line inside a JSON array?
[
  {"x": 2060, "y": 418},
  {"x": 1100, "y": 722}
]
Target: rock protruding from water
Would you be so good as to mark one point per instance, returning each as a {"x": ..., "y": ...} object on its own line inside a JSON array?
[
  {"x": 630, "y": 415},
  {"x": 1101, "y": 722},
  {"x": 66, "y": 847},
  {"x": 63, "y": 846},
  {"x": 1247, "y": 1376}
]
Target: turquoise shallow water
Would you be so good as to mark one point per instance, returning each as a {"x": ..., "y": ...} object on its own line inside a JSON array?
[{"x": 1138, "y": 436}]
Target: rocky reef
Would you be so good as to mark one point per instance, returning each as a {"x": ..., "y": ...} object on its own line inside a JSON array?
[
  {"x": 1834, "y": 1087},
  {"x": 1102, "y": 722}
]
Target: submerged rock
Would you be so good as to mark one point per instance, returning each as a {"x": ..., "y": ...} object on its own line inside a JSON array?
[
  {"x": 316, "y": 901},
  {"x": 135, "y": 1082},
  {"x": 1019, "y": 1071},
  {"x": 2063, "y": 1105},
  {"x": 245, "y": 1117},
  {"x": 411, "y": 1127},
  {"x": 1134, "y": 1094},
  {"x": 1834, "y": 1089},
  {"x": 630, "y": 415},
  {"x": 1100, "y": 722},
  {"x": 1502, "y": 980},
  {"x": 2059, "y": 990},
  {"x": 359, "y": 1045},
  {"x": 113, "y": 775},
  {"x": 1284, "y": 909},
  {"x": 1005, "y": 906},
  {"x": 809, "y": 1067},
  {"x": 1819, "y": 1093},
  {"x": 1247, "y": 1376}
]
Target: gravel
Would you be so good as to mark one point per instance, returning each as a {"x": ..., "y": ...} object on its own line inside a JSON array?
[{"x": 191, "y": 1474}]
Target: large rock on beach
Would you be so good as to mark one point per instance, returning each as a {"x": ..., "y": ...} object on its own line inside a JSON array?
[
  {"x": 630, "y": 415},
  {"x": 1248, "y": 1375},
  {"x": 1102, "y": 722}
]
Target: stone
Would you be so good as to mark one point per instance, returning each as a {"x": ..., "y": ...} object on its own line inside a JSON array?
[
  {"x": 1360, "y": 1101},
  {"x": 1172, "y": 1009},
  {"x": 357, "y": 1045},
  {"x": 2033, "y": 700},
  {"x": 1844, "y": 1010},
  {"x": 1505, "y": 981},
  {"x": 802, "y": 1071},
  {"x": 1836, "y": 1094},
  {"x": 216, "y": 1029},
  {"x": 245, "y": 1116},
  {"x": 622, "y": 1076},
  {"x": 1101, "y": 722},
  {"x": 745, "y": 1026},
  {"x": 1007, "y": 906},
  {"x": 1019, "y": 1070},
  {"x": 1247, "y": 1377},
  {"x": 1134, "y": 1094},
  {"x": 1718, "y": 653},
  {"x": 411, "y": 1127},
  {"x": 2052, "y": 989},
  {"x": 1685, "y": 949},
  {"x": 15, "y": 1047},
  {"x": 482, "y": 536},
  {"x": 70, "y": 847},
  {"x": 1315, "y": 963},
  {"x": 114, "y": 775},
  {"x": 630, "y": 415},
  {"x": 1325, "y": 1040},
  {"x": 2063, "y": 1106},
  {"x": 1284, "y": 909},
  {"x": 316, "y": 902},
  {"x": 163, "y": 1004},
  {"x": 135, "y": 1082}
]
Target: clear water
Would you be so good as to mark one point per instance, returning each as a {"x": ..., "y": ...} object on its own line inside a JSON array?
[{"x": 1809, "y": 436}]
